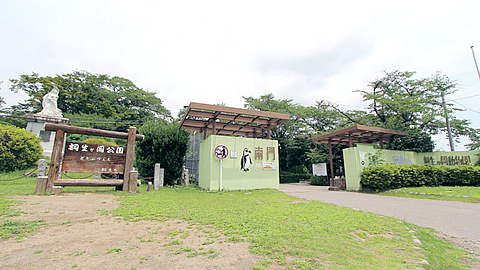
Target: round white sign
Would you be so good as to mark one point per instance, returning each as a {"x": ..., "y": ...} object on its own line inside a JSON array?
[{"x": 221, "y": 151}]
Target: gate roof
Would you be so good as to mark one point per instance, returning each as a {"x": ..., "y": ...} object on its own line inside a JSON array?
[
  {"x": 359, "y": 134},
  {"x": 225, "y": 120}
]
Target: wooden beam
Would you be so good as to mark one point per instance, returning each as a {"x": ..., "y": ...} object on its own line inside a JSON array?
[
  {"x": 184, "y": 117},
  {"x": 90, "y": 131},
  {"x": 359, "y": 131},
  {"x": 208, "y": 107},
  {"x": 88, "y": 182}
]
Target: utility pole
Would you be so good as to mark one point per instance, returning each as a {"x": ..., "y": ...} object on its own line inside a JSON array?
[
  {"x": 475, "y": 59},
  {"x": 452, "y": 146}
]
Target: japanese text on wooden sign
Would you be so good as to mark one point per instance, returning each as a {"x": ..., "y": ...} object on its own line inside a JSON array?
[{"x": 93, "y": 158}]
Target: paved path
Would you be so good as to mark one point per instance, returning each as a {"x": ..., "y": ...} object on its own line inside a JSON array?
[{"x": 454, "y": 218}]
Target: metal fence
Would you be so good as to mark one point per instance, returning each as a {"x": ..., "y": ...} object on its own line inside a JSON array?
[{"x": 193, "y": 156}]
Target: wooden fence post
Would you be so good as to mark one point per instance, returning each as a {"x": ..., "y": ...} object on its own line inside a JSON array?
[
  {"x": 56, "y": 158},
  {"x": 128, "y": 185}
]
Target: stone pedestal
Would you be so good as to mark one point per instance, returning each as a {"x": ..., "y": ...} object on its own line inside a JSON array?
[{"x": 36, "y": 125}]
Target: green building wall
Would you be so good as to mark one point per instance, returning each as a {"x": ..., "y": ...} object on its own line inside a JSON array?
[
  {"x": 357, "y": 158},
  {"x": 263, "y": 152}
]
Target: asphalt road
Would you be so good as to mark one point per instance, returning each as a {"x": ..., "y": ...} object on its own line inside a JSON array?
[{"x": 454, "y": 218}]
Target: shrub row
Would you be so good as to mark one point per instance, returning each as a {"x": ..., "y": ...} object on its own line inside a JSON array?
[
  {"x": 288, "y": 177},
  {"x": 320, "y": 180},
  {"x": 383, "y": 177}
]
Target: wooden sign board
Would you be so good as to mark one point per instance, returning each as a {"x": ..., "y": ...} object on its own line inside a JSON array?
[{"x": 93, "y": 158}]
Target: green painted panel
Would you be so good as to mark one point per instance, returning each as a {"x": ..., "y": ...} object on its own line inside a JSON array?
[
  {"x": 259, "y": 175},
  {"x": 356, "y": 158},
  {"x": 352, "y": 165}
]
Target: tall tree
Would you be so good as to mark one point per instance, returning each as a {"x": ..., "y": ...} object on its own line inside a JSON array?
[
  {"x": 400, "y": 102},
  {"x": 294, "y": 137},
  {"x": 283, "y": 133},
  {"x": 269, "y": 103},
  {"x": 165, "y": 144},
  {"x": 84, "y": 93}
]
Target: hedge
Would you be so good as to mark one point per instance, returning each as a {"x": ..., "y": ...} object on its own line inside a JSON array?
[
  {"x": 288, "y": 177},
  {"x": 384, "y": 177},
  {"x": 320, "y": 181}
]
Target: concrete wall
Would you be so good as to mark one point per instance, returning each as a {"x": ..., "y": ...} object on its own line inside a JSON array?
[
  {"x": 356, "y": 158},
  {"x": 263, "y": 152}
]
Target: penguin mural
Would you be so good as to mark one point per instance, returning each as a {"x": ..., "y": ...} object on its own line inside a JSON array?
[{"x": 246, "y": 161}]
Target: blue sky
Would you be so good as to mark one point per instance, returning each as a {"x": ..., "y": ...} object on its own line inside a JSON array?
[{"x": 218, "y": 51}]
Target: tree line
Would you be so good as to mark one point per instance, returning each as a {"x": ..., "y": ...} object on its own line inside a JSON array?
[{"x": 398, "y": 100}]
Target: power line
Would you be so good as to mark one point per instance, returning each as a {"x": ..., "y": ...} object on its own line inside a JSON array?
[
  {"x": 102, "y": 119},
  {"x": 464, "y": 106},
  {"x": 464, "y": 97},
  {"x": 119, "y": 122},
  {"x": 110, "y": 123}
]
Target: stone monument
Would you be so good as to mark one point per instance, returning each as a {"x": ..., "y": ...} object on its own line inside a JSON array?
[{"x": 49, "y": 114}]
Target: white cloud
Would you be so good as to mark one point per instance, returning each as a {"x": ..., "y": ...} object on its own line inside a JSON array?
[{"x": 219, "y": 51}]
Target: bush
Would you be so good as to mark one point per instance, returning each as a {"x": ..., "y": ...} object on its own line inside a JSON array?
[
  {"x": 19, "y": 149},
  {"x": 320, "y": 180},
  {"x": 299, "y": 169},
  {"x": 383, "y": 177},
  {"x": 288, "y": 177},
  {"x": 165, "y": 144}
]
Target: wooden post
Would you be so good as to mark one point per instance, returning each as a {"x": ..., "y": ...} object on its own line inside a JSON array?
[
  {"x": 56, "y": 158},
  {"x": 128, "y": 185},
  {"x": 214, "y": 126},
  {"x": 332, "y": 174}
]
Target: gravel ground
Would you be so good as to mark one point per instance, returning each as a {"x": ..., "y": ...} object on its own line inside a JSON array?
[{"x": 77, "y": 235}]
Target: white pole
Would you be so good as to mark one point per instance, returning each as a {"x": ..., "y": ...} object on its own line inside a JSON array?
[
  {"x": 475, "y": 59},
  {"x": 220, "y": 174}
]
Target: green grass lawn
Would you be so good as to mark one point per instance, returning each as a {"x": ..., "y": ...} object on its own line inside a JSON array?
[
  {"x": 461, "y": 194},
  {"x": 293, "y": 233}
]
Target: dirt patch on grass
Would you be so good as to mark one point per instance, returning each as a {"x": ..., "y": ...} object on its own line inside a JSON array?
[
  {"x": 468, "y": 245},
  {"x": 78, "y": 234}
]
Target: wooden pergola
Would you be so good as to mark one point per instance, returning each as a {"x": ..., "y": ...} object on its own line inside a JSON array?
[
  {"x": 356, "y": 134},
  {"x": 225, "y": 120}
]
